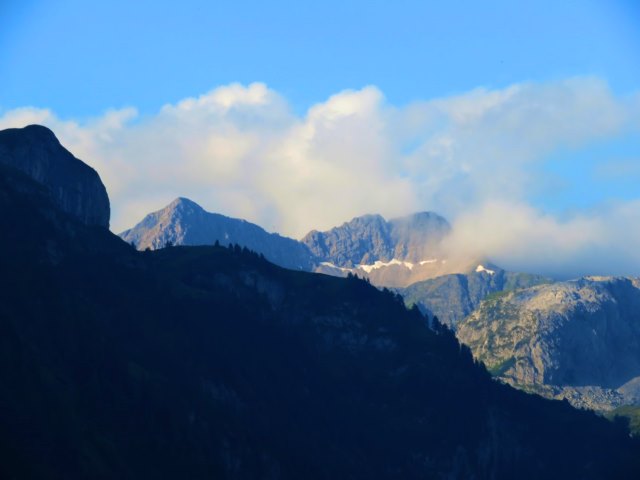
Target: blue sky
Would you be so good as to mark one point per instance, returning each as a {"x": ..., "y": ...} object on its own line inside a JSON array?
[
  {"x": 300, "y": 116},
  {"x": 80, "y": 58}
]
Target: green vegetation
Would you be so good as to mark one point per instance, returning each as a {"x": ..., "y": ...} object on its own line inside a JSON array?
[
  {"x": 499, "y": 369},
  {"x": 495, "y": 296},
  {"x": 516, "y": 281},
  {"x": 629, "y": 412}
]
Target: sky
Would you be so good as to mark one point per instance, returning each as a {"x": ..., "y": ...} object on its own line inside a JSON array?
[{"x": 518, "y": 121}]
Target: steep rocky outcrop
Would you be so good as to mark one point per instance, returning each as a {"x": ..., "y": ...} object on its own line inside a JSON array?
[
  {"x": 393, "y": 253},
  {"x": 370, "y": 238},
  {"x": 184, "y": 222},
  {"x": 74, "y": 186},
  {"x": 452, "y": 297},
  {"x": 578, "y": 340}
]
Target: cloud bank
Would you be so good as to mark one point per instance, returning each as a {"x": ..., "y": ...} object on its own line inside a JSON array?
[{"x": 475, "y": 157}]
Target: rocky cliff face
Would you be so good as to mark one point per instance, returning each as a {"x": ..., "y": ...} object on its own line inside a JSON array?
[
  {"x": 578, "y": 339},
  {"x": 452, "y": 297},
  {"x": 370, "y": 238},
  {"x": 392, "y": 253},
  {"x": 184, "y": 222},
  {"x": 75, "y": 187}
]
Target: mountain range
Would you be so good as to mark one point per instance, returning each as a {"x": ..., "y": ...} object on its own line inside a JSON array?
[
  {"x": 393, "y": 253},
  {"x": 409, "y": 255},
  {"x": 184, "y": 222},
  {"x": 212, "y": 362}
]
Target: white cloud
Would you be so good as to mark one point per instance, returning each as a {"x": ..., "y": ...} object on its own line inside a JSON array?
[
  {"x": 241, "y": 151},
  {"x": 519, "y": 237},
  {"x": 481, "y": 144}
]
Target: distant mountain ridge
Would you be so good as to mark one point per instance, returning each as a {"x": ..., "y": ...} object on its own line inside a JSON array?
[
  {"x": 391, "y": 253},
  {"x": 184, "y": 222},
  {"x": 371, "y": 238}
]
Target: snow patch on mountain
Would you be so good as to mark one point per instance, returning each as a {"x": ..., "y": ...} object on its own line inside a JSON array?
[
  {"x": 481, "y": 268},
  {"x": 331, "y": 265},
  {"x": 378, "y": 264}
]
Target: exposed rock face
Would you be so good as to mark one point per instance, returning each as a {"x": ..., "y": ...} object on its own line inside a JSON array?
[
  {"x": 74, "y": 186},
  {"x": 398, "y": 273},
  {"x": 452, "y": 297},
  {"x": 415, "y": 237},
  {"x": 590, "y": 397},
  {"x": 569, "y": 335},
  {"x": 370, "y": 238},
  {"x": 184, "y": 222},
  {"x": 392, "y": 253}
]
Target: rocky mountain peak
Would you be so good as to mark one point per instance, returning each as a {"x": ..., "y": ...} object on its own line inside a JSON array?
[
  {"x": 74, "y": 186},
  {"x": 40, "y": 133},
  {"x": 179, "y": 210},
  {"x": 184, "y": 222},
  {"x": 370, "y": 238},
  {"x": 421, "y": 219},
  {"x": 185, "y": 205},
  {"x": 370, "y": 219}
]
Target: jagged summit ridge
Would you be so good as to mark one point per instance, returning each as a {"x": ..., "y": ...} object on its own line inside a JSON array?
[
  {"x": 184, "y": 203},
  {"x": 393, "y": 253},
  {"x": 73, "y": 185},
  {"x": 370, "y": 238},
  {"x": 396, "y": 252},
  {"x": 184, "y": 222}
]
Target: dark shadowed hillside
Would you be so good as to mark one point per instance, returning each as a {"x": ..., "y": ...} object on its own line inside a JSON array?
[
  {"x": 75, "y": 187},
  {"x": 210, "y": 362}
]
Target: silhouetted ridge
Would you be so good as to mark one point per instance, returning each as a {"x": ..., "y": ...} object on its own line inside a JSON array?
[{"x": 74, "y": 186}]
